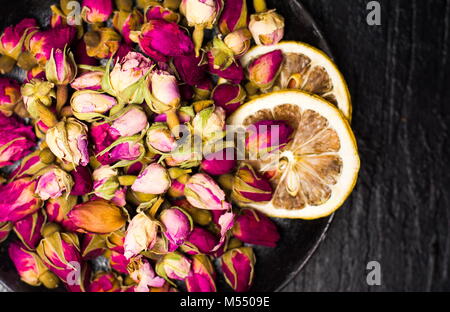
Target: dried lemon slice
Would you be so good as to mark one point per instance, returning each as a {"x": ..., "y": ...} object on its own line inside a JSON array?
[
  {"x": 308, "y": 69},
  {"x": 315, "y": 173}
]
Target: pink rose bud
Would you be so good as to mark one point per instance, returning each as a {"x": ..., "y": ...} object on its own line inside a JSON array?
[
  {"x": 29, "y": 229},
  {"x": 267, "y": 136},
  {"x": 153, "y": 180},
  {"x": 131, "y": 122},
  {"x": 92, "y": 246},
  {"x": 96, "y": 216},
  {"x": 5, "y": 229},
  {"x": 203, "y": 192},
  {"x": 58, "y": 208},
  {"x": 90, "y": 105},
  {"x": 18, "y": 200},
  {"x": 126, "y": 22},
  {"x": 267, "y": 28},
  {"x": 118, "y": 262},
  {"x": 41, "y": 43},
  {"x": 252, "y": 227},
  {"x": 105, "y": 282},
  {"x": 190, "y": 70},
  {"x": 16, "y": 140},
  {"x": 239, "y": 41},
  {"x": 88, "y": 81},
  {"x": 53, "y": 182},
  {"x": 202, "y": 276},
  {"x": 229, "y": 96},
  {"x": 13, "y": 37},
  {"x": 209, "y": 124},
  {"x": 238, "y": 267},
  {"x": 68, "y": 141},
  {"x": 178, "y": 225},
  {"x": 141, "y": 235},
  {"x": 264, "y": 70},
  {"x": 61, "y": 68},
  {"x": 160, "y": 39},
  {"x": 173, "y": 266},
  {"x": 219, "y": 163},
  {"x": 164, "y": 88},
  {"x": 141, "y": 271},
  {"x": 102, "y": 138},
  {"x": 10, "y": 95},
  {"x": 249, "y": 187},
  {"x": 234, "y": 72},
  {"x": 96, "y": 11},
  {"x": 106, "y": 182},
  {"x": 83, "y": 182},
  {"x": 127, "y": 152},
  {"x": 200, "y": 241},
  {"x": 233, "y": 17},
  {"x": 160, "y": 139},
  {"x": 30, "y": 267},
  {"x": 158, "y": 12}
]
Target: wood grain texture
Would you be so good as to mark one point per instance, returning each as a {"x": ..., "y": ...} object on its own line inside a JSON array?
[{"x": 399, "y": 77}]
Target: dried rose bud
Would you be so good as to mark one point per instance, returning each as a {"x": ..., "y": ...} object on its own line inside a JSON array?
[
  {"x": 127, "y": 152},
  {"x": 88, "y": 81},
  {"x": 105, "y": 282},
  {"x": 61, "y": 68},
  {"x": 222, "y": 56},
  {"x": 202, "y": 276},
  {"x": 233, "y": 73},
  {"x": 102, "y": 43},
  {"x": 30, "y": 267},
  {"x": 82, "y": 179},
  {"x": 41, "y": 43},
  {"x": 88, "y": 105},
  {"x": 158, "y": 12},
  {"x": 5, "y": 229},
  {"x": 106, "y": 182},
  {"x": 81, "y": 56},
  {"x": 200, "y": 14},
  {"x": 267, "y": 136},
  {"x": 173, "y": 266},
  {"x": 267, "y": 28},
  {"x": 164, "y": 88},
  {"x": 80, "y": 282},
  {"x": 219, "y": 163},
  {"x": 29, "y": 229},
  {"x": 141, "y": 271},
  {"x": 199, "y": 216},
  {"x": 233, "y": 17},
  {"x": 10, "y": 95},
  {"x": 115, "y": 252},
  {"x": 93, "y": 246},
  {"x": 238, "y": 267},
  {"x": 53, "y": 182},
  {"x": 209, "y": 124},
  {"x": 229, "y": 96},
  {"x": 203, "y": 192},
  {"x": 126, "y": 22},
  {"x": 264, "y": 70},
  {"x": 13, "y": 37},
  {"x": 16, "y": 140},
  {"x": 68, "y": 141},
  {"x": 160, "y": 39},
  {"x": 17, "y": 200},
  {"x": 159, "y": 138},
  {"x": 239, "y": 41},
  {"x": 153, "y": 180},
  {"x": 190, "y": 70},
  {"x": 58, "y": 208},
  {"x": 255, "y": 228},
  {"x": 177, "y": 225},
  {"x": 37, "y": 91},
  {"x": 96, "y": 216},
  {"x": 141, "y": 235},
  {"x": 249, "y": 187},
  {"x": 131, "y": 121},
  {"x": 200, "y": 241},
  {"x": 96, "y": 11}
]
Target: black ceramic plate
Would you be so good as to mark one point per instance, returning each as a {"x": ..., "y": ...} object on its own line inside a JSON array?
[{"x": 299, "y": 239}]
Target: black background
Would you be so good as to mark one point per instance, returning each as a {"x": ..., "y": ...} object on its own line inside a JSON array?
[{"x": 398, "y": 75}]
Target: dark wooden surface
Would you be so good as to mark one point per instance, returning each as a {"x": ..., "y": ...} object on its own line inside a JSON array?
[{"x": 399, "y": 214}]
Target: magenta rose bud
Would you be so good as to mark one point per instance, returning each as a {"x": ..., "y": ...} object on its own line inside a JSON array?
[
  {"x": 229, "y": 96},
  {"x": 233, "y": 17},
  {"x": 18, "y": 200},
  {"x": 30, "y": 267},
  {"x": 264, "y": 70},
  {"x": 153, "y": 180},
  {"x": 173, "y": 266},
  {"x": 267, "y": 136},
  {"x": 105, "y": 282},
  {"x": 203, "y": 192},
  {"x": 29, "y": 229},
  {"x": 160, "y": 39},
  {"x": 128, "y": 151},
  {"x": 190, "y": 70},
  {"x": 200, "y": 241},
  {"x": 88, "y": 81},
  {"x": 238, "y": 267},
  {"x": 58, "y": 208},
  {"x": 96, "y": 11},
  {"x": 160, "y": 139},
  {"x": 61, "y": 68},
  {"x": 202, "y": 276},
  {"x": 267, "y": 28},
  {"x": 10, "y": 95},
  {"x": 219, "y": 163},
  {"x": 141, "y": 235},
  {"x": 249, "y": 187},
  {"x": 5, "y": 229},
  {"x": 158, "y": 12},
  {"x": 131, "y": 122},
  {"x": 178, "y": 225},
  {"x": 92, "y": 246},
  {"x": 13, "y": 37},
  {"x": 53, "y": 182},
  {"x": 253, "y": 227},
  {"x": 81, "y": 55},
  {"x": 234, "y": 72},
  {"x": 126, "y": 22},
  {"x": 82, "y": 181}
]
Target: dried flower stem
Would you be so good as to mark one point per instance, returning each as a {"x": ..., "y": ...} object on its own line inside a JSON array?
[
  {"x": 199, "y": 33},
  {"x": 173, "y": 122},
  {"x": 260, "y": 6},
  {"x": 62, "y": 94}
]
